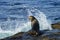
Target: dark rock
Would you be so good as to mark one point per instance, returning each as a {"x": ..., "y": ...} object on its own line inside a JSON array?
[
  {"x": 48, "y": 35},
  {"x": 56, "y": 25}
]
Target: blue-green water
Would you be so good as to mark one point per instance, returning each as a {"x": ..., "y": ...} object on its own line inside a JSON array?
[
  {"x": 14, "y": 14},
  {"x": 3, "y": 35}
]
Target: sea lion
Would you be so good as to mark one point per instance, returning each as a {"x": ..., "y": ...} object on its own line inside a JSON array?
[
  {"x": 34, "y": 23},
  {"x": 35, "y": 26}
]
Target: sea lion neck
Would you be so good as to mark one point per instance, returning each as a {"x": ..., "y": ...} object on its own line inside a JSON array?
[{"x": 32, "y": 20}]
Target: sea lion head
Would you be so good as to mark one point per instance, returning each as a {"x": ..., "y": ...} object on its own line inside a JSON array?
[{"x": 31, "y": 18}]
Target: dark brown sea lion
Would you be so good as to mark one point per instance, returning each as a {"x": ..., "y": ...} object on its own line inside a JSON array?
[{"x": 34, "y": 25}]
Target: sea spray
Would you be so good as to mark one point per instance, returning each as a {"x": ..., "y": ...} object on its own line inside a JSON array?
[
  {"x": 44, "y": 24},
  {"x": 15, "y": 26}
]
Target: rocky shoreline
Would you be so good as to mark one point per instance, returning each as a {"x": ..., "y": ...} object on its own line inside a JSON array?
[
  {"x": 56, "y": 25},
  {"x": 48, "y": 35}
]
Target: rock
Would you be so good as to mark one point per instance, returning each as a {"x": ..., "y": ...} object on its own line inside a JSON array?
[
  {"x": 48, "y": 35},
  {"x": 56, "y": 26},
  {"x": 34, "y": 33},
  {"x": 14, "y": 37}
]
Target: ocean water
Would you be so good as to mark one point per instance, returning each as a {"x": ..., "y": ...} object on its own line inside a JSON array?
[
  {"x": 3, "y": 35},
  {"x": 14, "y": 15}
]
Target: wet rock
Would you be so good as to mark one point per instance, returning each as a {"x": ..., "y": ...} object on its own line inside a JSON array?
[
  {"x": 48, "y": 35},
  {"x": 56, "y": 25}
]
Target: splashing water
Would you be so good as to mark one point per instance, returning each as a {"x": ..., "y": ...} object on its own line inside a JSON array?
[
  {"x": 44, "y": 24},
  {"x": 13, "y": 27}
]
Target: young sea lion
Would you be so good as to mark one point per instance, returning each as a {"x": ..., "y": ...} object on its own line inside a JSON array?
[{"x": 34, "y": 25}]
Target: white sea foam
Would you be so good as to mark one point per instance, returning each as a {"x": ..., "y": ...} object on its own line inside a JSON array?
[
  {"x": 44, "y": 24},
  {"x": 16, "y": 26}
]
